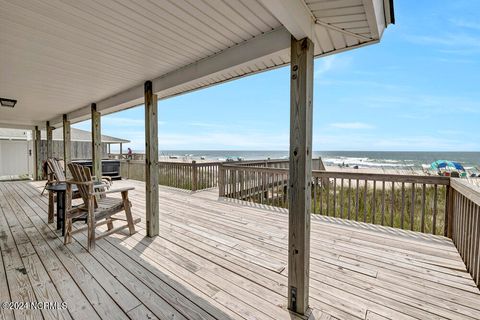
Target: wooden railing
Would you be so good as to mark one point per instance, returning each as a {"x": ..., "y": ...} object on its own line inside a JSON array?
[
  {"x": 184, "y": 175},
  {"x": 465, "y": 229},
  {"x": 402, "y": 201},
  {"x": 428, "y": 204},
  {"x": 188, "y": 175},
  {"x": 410, "y": 202},
  {"x": 256, "y": 184}
]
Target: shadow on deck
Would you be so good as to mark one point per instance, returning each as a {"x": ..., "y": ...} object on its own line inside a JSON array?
[{"x": 224, "y": 259}]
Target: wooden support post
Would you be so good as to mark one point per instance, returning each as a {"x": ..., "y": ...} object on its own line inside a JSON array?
[
  {"x": 151, "y": 161},
  {"x": 37, "y": 159},
  {"x": 194, "y": 175},
  {"x": 67, "y": 149},
  {"x": 96, "y": 143},
  {"x": 49, "y": 140},
  {"x": 448, "y": 232},
  {"x": 121, "y": 151},
  {"x": 300, "y": 170},
  {"x": 221, "y": 180}
]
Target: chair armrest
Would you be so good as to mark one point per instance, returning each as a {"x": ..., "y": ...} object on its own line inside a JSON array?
[
  {"x": 102, "y": 185},
  {"x": 113, "y": 191},
  {"x": 83, "y": 183}
]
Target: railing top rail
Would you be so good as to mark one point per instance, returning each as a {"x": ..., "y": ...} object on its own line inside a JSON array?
[
  {"x": 175, "y": 163},
  {"x": 383, "y": 177},
  {"x": 254, "y": 169},
  {"x": 207, "y": 164},
  {"x": 353, "y": 175},
  {"x": 261, "y": 161},
  {"x": 465, "y": 188}
]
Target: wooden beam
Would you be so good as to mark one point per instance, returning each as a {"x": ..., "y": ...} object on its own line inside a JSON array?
[
  {"x": 294, "y": 15},
  {"x": 96, "y": 143},
  {"x": 37, "y": 159},
  {"x": 151, "y": 161},
  {"x": 300, "y": 169},
  {"x": 49, "y": 131},
  {"x": 67, "y": 145},
  {"x": 121, "y": 151}
]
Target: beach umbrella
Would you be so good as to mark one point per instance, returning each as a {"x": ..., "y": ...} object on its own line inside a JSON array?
[{"x": 447, "y": 165}]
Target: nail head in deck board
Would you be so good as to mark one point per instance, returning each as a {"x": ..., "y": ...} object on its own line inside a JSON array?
[
  {"x": 300, "y": 170},
  {"x": 96, "y": 143},
  {"x": 151, "y": 161}
]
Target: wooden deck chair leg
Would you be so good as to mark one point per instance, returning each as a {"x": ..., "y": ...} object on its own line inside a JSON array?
[
  {"x": 50, "y": 207},
  {"x": 68, "y": 216},
  {"x": 109, "y": 224},
  {"x": 128, "y": 212},
  {"x": 68, "y": 231},
  {"x": 91, "y": 224}
]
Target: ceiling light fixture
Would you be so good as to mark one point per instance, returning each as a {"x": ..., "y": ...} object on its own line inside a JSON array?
[{"x": 8, "y": 103}]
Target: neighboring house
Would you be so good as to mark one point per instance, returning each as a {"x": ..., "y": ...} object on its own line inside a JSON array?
[{"x": 16, "y": 143}]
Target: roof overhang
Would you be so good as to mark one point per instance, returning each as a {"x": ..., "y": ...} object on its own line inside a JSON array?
[{"x": 58, "y": 58}]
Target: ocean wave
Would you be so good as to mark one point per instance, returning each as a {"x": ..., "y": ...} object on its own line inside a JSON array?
[{"x": 367, "y": 162}]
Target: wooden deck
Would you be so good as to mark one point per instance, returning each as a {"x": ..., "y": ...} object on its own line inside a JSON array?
[{"x": 221, "y": 259}]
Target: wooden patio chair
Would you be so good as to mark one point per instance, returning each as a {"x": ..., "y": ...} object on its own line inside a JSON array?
[{"x": 97, "y": 206}]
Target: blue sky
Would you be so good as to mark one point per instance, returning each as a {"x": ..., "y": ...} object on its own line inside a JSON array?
[{"x": 418, "y": 90}]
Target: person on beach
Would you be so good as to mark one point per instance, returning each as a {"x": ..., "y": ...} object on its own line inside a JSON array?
[{"x": 129, "y": 154}]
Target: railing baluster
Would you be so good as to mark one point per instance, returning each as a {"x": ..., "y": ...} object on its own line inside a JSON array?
[
  {"x": 422, "y": 220},
  {"x": 321, "y": 195},
  {"x": 412, "y": 208},
  {"x": 356, "y": 200},
  {"x": 392, "y": 209},
  {"x": 314, "y": 188},
  {"x": 434, "y": 219},
  {"x": 374, "y": 201},
  {"x": 383, "y": 202},
  {"x": 349, "y": 197},
  {"x": 403, "y": 205},
  {"x": 334, "y": 197},
  {"x": 341, "y": 198},
  {"x": 328, "y": 197},
  {"x": 477, "y": 252},
  {"x": 365, "y": 201}
]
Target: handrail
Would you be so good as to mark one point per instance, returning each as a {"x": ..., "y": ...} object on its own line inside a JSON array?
[
  {"x": 465, "y": 228},
  {"x": 468, "y": 190},
  {"x": 439, "y": 180}
]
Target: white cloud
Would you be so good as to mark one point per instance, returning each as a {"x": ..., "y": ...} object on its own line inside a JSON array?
[
  {"x": 324, "y": 65},
  {"x": 351, "y": 125},
  {"x": 372, "y": 142}
]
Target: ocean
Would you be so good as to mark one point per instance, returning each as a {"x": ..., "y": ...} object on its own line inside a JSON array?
[{"x": 363, "y": 159}]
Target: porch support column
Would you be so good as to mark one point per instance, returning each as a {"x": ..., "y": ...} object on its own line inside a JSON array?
[
  {"x": 67, "y": 146},
  {"x": 38, "y": 160},
  {"x": 49, "y": 140},
  {"x": 300, "y": 171},
  {"x": 121, "y": 151},
  {"x": 96, "y": 143},
  {"x": 151, "y": 160}
]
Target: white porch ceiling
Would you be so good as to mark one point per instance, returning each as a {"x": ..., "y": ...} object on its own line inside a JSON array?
[{"x": 58, "y": 56}]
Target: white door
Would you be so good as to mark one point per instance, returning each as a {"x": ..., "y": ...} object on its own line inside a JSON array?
[{"x": 15, "y": 158}]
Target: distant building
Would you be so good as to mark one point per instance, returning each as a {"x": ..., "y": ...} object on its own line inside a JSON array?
[{"x": 16, "y": 143}]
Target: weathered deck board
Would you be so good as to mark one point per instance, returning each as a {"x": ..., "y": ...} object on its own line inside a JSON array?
[{"x": 223, "y": 259}]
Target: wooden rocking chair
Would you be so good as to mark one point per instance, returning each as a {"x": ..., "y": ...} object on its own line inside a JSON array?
[{"x": 96, "y": 206}]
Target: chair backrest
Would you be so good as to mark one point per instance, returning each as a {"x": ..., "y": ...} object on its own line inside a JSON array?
[
  {"x": 55, "y": 166},
  {"x": 81, "y": 174}
]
